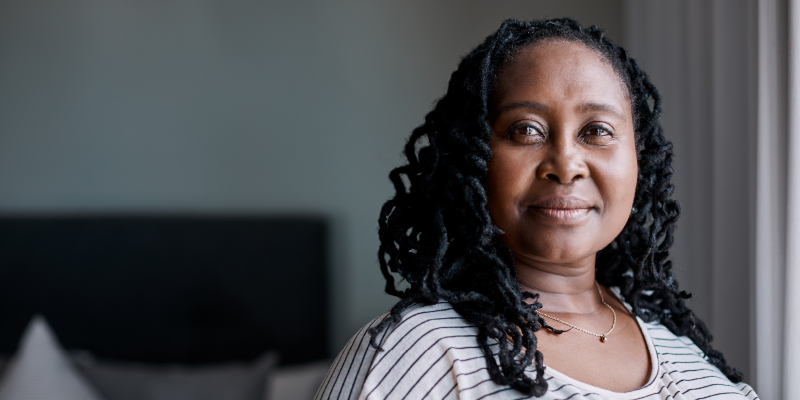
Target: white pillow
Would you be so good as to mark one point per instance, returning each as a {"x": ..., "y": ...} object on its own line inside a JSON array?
[
  {"x": 298, "y": 382},
  {"x": 121, "y": 380},
  {"x": 40, "y": 370}
]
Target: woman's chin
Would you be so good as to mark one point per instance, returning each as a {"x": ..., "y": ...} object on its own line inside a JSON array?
[{"x": 571, "y": 258}]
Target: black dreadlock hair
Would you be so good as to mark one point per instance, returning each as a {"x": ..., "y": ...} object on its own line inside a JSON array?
[{"x": 436, "y": 232}]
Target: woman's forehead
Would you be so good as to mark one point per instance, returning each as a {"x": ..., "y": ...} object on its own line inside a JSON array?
[{"x": 560, "y": 72}]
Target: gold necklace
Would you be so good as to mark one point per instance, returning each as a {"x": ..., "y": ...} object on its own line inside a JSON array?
[{"x": 603, "y": 337}]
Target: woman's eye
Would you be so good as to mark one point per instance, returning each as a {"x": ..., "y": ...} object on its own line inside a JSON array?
[
  {"x": 597, "y": 134},
  {"x": 525, "y": 133}
]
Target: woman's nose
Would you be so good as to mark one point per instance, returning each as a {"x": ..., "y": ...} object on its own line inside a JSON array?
[{"x": 563, "y": 162}]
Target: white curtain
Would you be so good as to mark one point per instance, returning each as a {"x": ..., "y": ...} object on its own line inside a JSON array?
[
  {"x": 791, "y": 359},
  {"x": 771, "y": 200}
]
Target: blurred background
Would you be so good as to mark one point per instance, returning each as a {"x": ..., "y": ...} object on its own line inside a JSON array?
[{"x": 261, "y": 108}]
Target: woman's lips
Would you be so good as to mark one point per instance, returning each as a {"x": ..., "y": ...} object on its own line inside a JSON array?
[
  {"x": 562, "y": 215},
  {"x": 561, "y": 209}
]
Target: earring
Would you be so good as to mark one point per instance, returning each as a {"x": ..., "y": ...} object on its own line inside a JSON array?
[{"x": 633, "y": 210}]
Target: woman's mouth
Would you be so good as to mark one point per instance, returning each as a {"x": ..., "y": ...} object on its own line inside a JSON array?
[
  {"x": 561, "y": 209},
  {"x": 562, "y": 215}
]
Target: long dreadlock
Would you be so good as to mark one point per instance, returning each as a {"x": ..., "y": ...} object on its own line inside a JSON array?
[{"x": 437, "y": 235}]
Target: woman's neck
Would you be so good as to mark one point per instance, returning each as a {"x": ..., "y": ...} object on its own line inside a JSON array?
[{"x": 561, "y": 289}]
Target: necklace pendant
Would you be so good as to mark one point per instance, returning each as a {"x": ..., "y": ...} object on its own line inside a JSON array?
[{"x": 603, "y": 338}]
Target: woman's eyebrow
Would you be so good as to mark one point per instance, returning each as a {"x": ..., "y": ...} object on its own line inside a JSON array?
[
  {"x": 608, "y": 108},
  {"x": 586, "y": 107},
  {"x": 531, "y": 105}
]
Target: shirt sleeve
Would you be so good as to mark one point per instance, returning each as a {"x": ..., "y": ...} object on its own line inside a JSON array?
[{"x": 346, "y": 376}]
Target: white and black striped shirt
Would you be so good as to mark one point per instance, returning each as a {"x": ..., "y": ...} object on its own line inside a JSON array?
[{"x": 433, "y": 354}]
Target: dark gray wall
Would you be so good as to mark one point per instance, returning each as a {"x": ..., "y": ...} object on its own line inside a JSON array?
[
  {"x": 214, "y": 106},
  {"x": 701, "y": 56}
]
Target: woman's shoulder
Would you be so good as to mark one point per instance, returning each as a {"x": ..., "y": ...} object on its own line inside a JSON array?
[
  {"x": 684, "y": 366},
  {"x": 433, "y": 352},
  {"x": 423, "y": 323},
  {"x": 414, "y": 354}
]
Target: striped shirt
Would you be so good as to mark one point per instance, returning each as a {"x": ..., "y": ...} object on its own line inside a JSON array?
[{"x": 432, "y": 353}]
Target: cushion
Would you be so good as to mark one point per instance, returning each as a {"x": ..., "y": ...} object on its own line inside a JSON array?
[
  {"x": 118, "y": 380},
  {"x": 297, "y": 382},
  {"x": 41, "y": 369}
]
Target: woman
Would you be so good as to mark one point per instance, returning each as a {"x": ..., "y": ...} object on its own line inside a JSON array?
[{"x": 532, "y": 226}]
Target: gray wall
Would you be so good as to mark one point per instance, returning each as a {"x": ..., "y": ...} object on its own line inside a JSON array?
[
  {"x": 701, "y": 56},
  {"x": 215, "y": 106}
]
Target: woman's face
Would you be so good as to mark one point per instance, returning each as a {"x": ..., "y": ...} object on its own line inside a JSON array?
[{"x": 562, "y": 177}]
